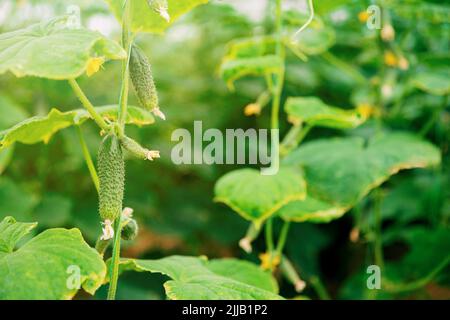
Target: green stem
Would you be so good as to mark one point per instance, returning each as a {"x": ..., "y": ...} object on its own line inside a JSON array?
[
  {"x": 282, "y": 238},
  {"x": 126, "y": 44},
  {"x": 115, "y": 260},
  {"x": 399, "y": 288},
  {"x": 320, "y": 289},
  {"x": 294, "y": 137},
  {"x": 88, "y": 159},
  {"x": 379, "y": 260},
  {"x": 269, "y": 235},
  {"x": 88, "y": 105}
]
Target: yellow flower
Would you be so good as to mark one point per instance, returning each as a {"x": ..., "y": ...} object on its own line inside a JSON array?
[
  {"x": 94, "y": 65},
  {"x": 363, "y": 16},
  {"x": 390, "y": 59},
  {"x": 365, "y": 110},
  {"x": 269, "y": 261},
  {"x": 252, "y": 109}
]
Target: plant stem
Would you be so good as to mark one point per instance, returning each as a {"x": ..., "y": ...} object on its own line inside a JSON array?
[
  {"x": 379, "y": 260},
  {"x": 88, "y": 105},
  {"x": 398, "y": 288},
  {"x": 269, "y": 235},
  {"x": 319, "y": 288},
  {"x": 126, "y": 44},
  {"x": 88, "y": 159},
  {"x": 122, "y": 114},
  {"x": 282, "y": 238},
  {"x": 115, "y": 260}
]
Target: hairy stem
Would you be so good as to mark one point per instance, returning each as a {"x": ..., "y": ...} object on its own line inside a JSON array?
[
  {"x": 88, "y": 159},
  {"x": 88, "y": 105}
]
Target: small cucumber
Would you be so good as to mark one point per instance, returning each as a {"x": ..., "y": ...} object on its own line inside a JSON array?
[{"x": 111, "y": 173}]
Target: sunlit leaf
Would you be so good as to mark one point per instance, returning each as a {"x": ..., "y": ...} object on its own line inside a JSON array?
[
  {"x": 42, "y": 128},
  {"x": 314, "y": 112},
  {"x": 232, "y": 70},
  {"x": 339, "y": 172},
  {"x": 255, "y": 196},
  {"x": 200, "y": 279},
  {"x": 53, "y": 50},
  {"x": 41, "y": 268},
  {"x": 146, "y": 19}
]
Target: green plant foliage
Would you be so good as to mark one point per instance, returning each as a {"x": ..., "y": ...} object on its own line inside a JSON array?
[
  {"x": 146, "y": 19},
  {"x": 314, "y": 112},
  {"x": 257, "y": 197},
  {"x": 200, "y": 279},
  {"x": 341, "y": 171},
  {"x": 53, "y": 50},
  {"x": 437, "y": 83},
  {"x": 38, "y": 269},
  {"x": 232, "y": 70},
  {"x": 42, "y": 128},
  {"x": 316, "y": 39}
]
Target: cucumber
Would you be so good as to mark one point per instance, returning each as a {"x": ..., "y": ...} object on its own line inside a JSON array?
[
  {"x": 142, "y": 79},
  {"x": 111, "y": 173}
]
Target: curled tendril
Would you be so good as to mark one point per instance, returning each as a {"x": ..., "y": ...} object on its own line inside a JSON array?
[{"x": 310, "y": 19}]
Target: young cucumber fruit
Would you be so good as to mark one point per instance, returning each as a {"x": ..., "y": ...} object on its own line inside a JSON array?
[
  {"x": 142, "y": 79},
  {"x": 111, "y": 173}
]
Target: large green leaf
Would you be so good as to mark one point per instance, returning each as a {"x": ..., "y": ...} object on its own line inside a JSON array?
[
  {"x": 53, "y": 50},
  {"x": 40, "y": 268},
  {"x": 255, "y": 196},
  {"x": 341, "y": 171},
  {"x": 232, "y": 70},
  {"x": 42, "y": 128},
  {"x": 314, "y": 112},
  {"x": 145, "y": 19},
  {"x": 198, "y": 279}
]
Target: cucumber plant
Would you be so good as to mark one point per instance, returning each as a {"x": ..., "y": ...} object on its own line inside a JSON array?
[{"x": 319, "y": 180}]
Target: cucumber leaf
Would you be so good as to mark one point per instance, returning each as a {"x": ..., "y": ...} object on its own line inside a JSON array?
[
  {"x": 146, "y": 19},
  {"x": 256, "y": 197},
  {"x": 40, "y": 268},
  {"x": 199, "y": 279},
  {"x": 314, "y": 112},
  {"x": 340, "y": 172},
  {"x": 52, "y": 50},
  {"x": 42, "y": 128}
]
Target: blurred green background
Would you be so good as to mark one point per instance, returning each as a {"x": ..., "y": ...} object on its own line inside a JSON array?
[{"x": 50, "y": 183}]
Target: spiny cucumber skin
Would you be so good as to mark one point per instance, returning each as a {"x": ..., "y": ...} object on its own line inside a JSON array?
[
  {"x": 111, "y": 173},
  {"x": 142, "y": 79},
  {"x": 134, "y": 148}
]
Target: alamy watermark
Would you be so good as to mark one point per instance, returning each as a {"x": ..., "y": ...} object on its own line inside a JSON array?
[{"x": 234, "y": 146}]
